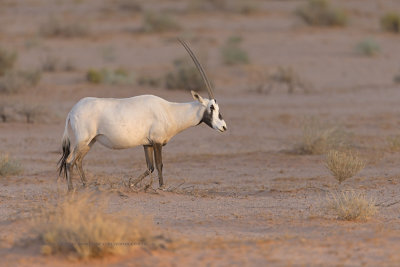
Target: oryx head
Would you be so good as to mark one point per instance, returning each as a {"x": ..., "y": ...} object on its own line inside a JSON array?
[{"x": 212, "y": 116}]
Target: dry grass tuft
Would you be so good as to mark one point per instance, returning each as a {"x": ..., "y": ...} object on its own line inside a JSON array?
[
  {"x": 79, "y": 226},
  {"x": 321, "y": 13},
  {"x": 351, "y": 205},
  {"x": 343, "y": 165},
  {"x": 318, "y": 138},
  {"x": 9, "y": 166}
]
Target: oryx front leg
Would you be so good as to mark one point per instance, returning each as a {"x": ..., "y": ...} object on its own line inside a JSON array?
[
  {"x": 148, "y": 152},
  {"x": 159, "y": 164}
]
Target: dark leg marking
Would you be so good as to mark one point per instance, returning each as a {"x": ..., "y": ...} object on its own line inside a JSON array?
[
  {"x": 69, "y": 174},
  {"x": 148, "y": 153},
  {"x": 159, "y": 164}
]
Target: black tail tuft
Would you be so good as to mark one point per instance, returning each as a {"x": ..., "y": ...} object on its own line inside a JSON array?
[{"x": 62, "y": 163}]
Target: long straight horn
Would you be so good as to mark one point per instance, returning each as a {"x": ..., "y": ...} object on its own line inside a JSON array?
[{"x": 199, "y": 67}]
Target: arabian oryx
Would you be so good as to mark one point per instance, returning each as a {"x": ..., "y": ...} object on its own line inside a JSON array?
[{"x": 145, "y": 120}]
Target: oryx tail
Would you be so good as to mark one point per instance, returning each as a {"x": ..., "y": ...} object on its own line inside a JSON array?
[{"x": 66, "y": 147}]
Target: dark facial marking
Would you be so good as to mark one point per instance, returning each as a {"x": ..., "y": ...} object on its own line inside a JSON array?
[
  {"x": 212, "y": 107},
  {"x": 220, "y": 116},
  {"x": 207, "y": 117}
]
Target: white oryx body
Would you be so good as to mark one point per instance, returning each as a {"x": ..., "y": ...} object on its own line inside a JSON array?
[
  {"x": 145, "y": 120},
  {"x": 130, "y": 122}
]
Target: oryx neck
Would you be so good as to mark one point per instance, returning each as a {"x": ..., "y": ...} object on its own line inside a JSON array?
[{"x": 187, "y": 114}]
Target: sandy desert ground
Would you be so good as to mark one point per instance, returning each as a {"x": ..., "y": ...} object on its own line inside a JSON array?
[{"x": 239, "y": 198}]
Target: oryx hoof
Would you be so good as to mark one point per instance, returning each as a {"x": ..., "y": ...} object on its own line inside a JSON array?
[{"x": 162, "y": 188}]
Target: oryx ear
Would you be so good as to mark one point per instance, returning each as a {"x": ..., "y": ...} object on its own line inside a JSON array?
[{"x": 197, "y": 97}]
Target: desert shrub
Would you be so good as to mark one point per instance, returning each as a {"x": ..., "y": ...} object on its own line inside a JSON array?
[
  {"x": 396, "y": 78},
  {"x": 57, "y": 28},
  {"x": 79, "y": 226},
  {"x": 32, "y": 42},
  {"x": 368, "y": 47},
  {"x": 232, "y": 53},
  {"x": 394, "y": 143},
  {"x": 7, "y": 60},
  {"x": 287, "y": 77},
  {"x": 159, "y": 22},
  {"x": 68, "y": 65},
  {"x": 114, "y": 77},
  {"x": 209, "y": 5},
  {"x": 390, "y": 22},
  {"x": 184, "y": 76},
  {"x": 149, "y": 81},
  {"x": 321, "y": 13},
  {"x": 31, "y": 77},
  {"x": 351, "y": 205},
  {"x": 129, "y": 6},
  {"x": 50, "y": 63},
  {"x": 94, "y": 76},
  {"x": 13, "y": 82},
  {"x": 32, "y": 113},
  {"x": 108, "y": 54},
  {"x": 319, "y": 138},
  {"x": 241, "y": 7},
  {"x": 3, "y": 112},
  {"x": 9, "y": 166},
  {"x": 343, "y": 164}
]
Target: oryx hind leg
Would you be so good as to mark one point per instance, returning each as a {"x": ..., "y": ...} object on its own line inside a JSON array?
[
  {"x": 82, "y": 151},
  {"x": 75, "y": 158},
  {"x": 148, "y": 153}
]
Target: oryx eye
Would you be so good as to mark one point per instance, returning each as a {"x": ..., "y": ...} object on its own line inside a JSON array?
[{"x": 212, "y": 107}]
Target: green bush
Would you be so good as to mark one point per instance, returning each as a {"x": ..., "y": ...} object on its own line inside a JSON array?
[
  {"x": 368, "y": 47},
  {"x": 321, "y": 13},
  {"x": 94, "y": 76},
  {"x": 232, "y": 53},
  {"x": 116, "y": 77},
  {"x": 390, "y": 22}
]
